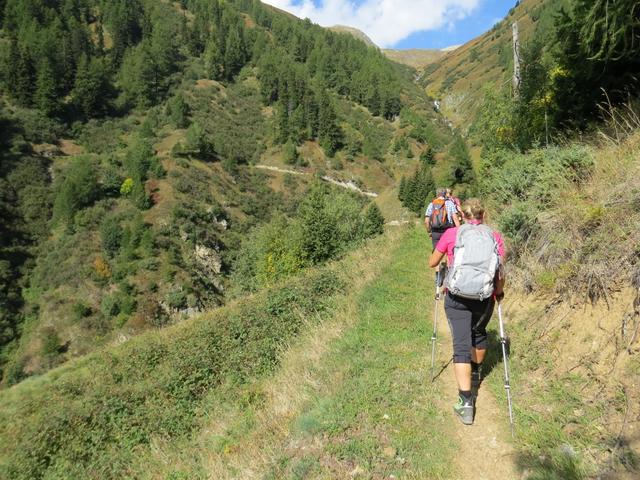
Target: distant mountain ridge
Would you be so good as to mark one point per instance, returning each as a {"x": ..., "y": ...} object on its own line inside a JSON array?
[
  {"x": 359, "y": 34},
  {"x": 417, "y": 58}
]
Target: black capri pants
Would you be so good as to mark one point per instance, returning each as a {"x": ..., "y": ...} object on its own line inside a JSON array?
[
  {"x": 468, "y": 321},
  {"x": 435, "y": 237}
]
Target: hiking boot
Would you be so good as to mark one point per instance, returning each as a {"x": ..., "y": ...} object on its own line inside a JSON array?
[{"x": 464, "y": 410}]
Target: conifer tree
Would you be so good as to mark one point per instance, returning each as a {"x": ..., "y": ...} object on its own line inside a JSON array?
[
  {"x": 402, "y": 190},
  {"x": 290, "y": 153},
  {"x": 46, "y": 95},
  {"x": 462, "y": 168},
  {"x": 178, "y": 111},
  {"x": 213, "y": 60},
  {"x": 299, "y": 130},
  {"x": 418, "y": 190},
  {"x": 329, "y": 133},
  {"x": 427, "y": 157},
  {"x": 598, "y": 50},
  {"x": 282, "y": 122},
  {"x": 235, "y": 53},
  {"x": 373, "y": 222},
  {"x": 24, "y": 79},
  {"x": 318, "y": 226},
  {"x": 91, "y": 90}
]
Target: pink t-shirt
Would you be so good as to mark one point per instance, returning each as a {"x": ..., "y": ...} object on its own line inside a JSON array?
[{"x": 447, "y": 242}]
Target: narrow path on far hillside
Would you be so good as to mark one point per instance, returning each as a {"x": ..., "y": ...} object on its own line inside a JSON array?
[
  {"x": 485, "y": 451},
  {"x": 348, "y": 185}
]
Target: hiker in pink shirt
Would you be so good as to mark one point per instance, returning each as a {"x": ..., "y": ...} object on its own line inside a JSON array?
[
  {"x": 474, "y": 283},
  {"x": 447, "y": 242}
]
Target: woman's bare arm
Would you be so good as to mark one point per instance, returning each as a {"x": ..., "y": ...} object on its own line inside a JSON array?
[{"x": 435, "y": 258}]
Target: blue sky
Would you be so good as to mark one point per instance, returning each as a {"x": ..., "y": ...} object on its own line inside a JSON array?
[
  {"x": 405, "y": 23},
  {"x": 488, "y": 13}
]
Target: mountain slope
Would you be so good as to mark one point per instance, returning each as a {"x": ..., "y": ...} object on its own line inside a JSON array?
[
  {"x": 415, "y": 58},
  {"x": 458, "y": 77},
  {"x": 129, "y": 162},
  {"x": 349, "y": 396}
]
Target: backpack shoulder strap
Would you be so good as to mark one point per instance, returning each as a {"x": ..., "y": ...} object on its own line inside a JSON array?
[{"x": 462, "y": 229}]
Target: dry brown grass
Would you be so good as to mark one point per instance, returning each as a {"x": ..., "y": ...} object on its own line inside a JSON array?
[
  {"x": 587, "y": 244},
  {"x": 598, "y": 345},
  {"x": 416, "y": 58}
]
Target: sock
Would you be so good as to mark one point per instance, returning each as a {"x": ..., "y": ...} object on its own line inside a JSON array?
[{"x": 465, "y": 395}]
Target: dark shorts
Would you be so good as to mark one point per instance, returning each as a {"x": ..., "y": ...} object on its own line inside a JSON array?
[
  {"x": 435, "y": 238},
  {"x": 468, "y": 321}
]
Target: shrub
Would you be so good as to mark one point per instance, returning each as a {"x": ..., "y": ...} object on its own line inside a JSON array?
[
  {"x": 270, "y": 253},
  {"x": 177, "y": 299},
  {"x": 546, "y": 280},
  {"x": 102, "y": 268},
  {"x": 518, "y": 222},
  {"x": 80, "y": 311},
  {"x": 111, "y": 180},
  {"x": 102, "y": 136},
  {"x": 111, "y": 235},
  {"x": 139, "y": 197},
  {"x": 110, "y": 306},
  {"x": 198, "y": 142},
  {"x": 38, "y": 128},
  {"x": 78, "y": 189},
  {"x": 126, "y": 187},
  {"x": 50, "y": 343},
  {"x": 290, "y": 153}
]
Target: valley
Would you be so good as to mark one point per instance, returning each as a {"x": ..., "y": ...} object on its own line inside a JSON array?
[{"x": 213, "y": 262}]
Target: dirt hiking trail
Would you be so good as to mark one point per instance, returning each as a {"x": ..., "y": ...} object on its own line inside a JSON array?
[
  {"x": 485, "y": 449},
  {"x": 354, "y": 398}
]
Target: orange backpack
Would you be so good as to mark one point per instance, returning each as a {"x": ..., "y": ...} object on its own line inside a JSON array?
[{"x": 439, "y": 218}]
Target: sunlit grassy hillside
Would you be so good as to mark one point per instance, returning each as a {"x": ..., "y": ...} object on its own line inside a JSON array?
[{"x": 457, "y": 79}]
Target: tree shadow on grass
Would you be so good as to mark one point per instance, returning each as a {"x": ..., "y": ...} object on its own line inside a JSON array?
[{"x": 558, "y": 466}]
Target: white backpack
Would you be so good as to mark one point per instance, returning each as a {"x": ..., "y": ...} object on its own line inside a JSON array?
[{"x": 475, "y": 263}]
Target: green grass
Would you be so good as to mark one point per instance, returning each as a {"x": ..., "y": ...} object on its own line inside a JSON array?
[
  {"x": 93, "y": 417},
  {"x": 381, "y": 419},
  {"x": 193, "y": 401}
]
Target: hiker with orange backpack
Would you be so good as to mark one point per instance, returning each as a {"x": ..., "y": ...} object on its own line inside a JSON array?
[
  {"x": 474, "y": 283},
  {"x": 441, "y": 215}
]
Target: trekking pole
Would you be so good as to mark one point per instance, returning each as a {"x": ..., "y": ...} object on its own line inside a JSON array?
[
  {"x": 507, "y": 387},
  {"x": 435, "y": 324}
]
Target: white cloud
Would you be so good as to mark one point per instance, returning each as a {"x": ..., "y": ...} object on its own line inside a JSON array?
[{"x": 386, "y": 22}]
